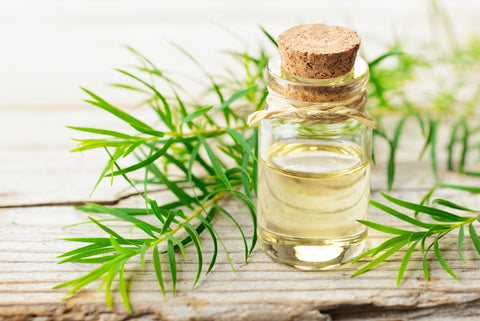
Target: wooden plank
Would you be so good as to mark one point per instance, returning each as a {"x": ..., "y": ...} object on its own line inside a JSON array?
[
  {"x": 28, "y": 272},
  {"x": 39, "y": 178}
]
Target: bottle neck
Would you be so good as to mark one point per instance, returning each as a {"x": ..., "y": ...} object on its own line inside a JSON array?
[
  {"x": 341, "y": 89},
  {"x": 312, "y": 102}
]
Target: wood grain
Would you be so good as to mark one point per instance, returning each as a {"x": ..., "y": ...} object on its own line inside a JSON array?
[
  {"x": 261, "y": 290},
  {"x": 53, "y": 47}
]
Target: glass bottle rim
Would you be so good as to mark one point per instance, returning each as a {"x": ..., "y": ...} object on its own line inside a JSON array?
[{"x": 290, "y": 86}]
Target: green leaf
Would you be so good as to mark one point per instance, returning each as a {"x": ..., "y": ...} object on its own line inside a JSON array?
[
  {"x": 425, "y": 266},
  {"x": 119, "y": 248},
  {"x": 451, "y": 144},
  {"x": 107, "y": 229},
  {"x": 148, "y": 160},
  {"x": 262, "y": 100},
  {"x": 87, "y": 253},
  {"x": 237, "y": 137},
  {"x": 222, "y": 210},
  {"x": 450, "y": 204},
  {"x": 463, "y": 155},
  {"x": 461, "y": 236},
  {"x": 179, "y": 192},
  {"x": 132, "y": 121},
  {"x": 158, "y": 269},
  {"x": 196, "y": 113},
  {"x": 246, "y": 180},
  {"x": 173, "y": 264},
  {"x": 433, "y": 147},
  {"x": 198, "y": 245},
  {"x": 428, "y": 141},
  {"x": 405, "y": 260},
  {"x": 89, "y": 277},
  {"x": 100, "y": 259},
  {"x": 474, "y": 237},
  {"x": 419, "y": 120},
  {"x": 167, "y": 118},
  {"x": 399, "y": 215},
  {"x": 379, "y": 59},
  {"x": 133, "y": 147},
  {"x": 128, "y": 87},
  {"x": 470, "y": 189},
  {"x": 123, "y": 290},
  {"x": 234, "y": 97},
  {"x": 108, "y": 280},
  {"x": 179, "y": 244},
  {"x": 393, "y": 149},
  {"x": 122, "y": 215},
  {"x": 255, "y": 164},
  {"x": 191, "y": 178},
  {"x": 384, "y": 228},
  {"x": 269, "y": 37},
  {"x": 104, "y": 132},
  {"x": 168, "y": 221},
  {"x": 118, "y": 152},
  {"x": 215, "y": 163},
  {"x": 425, "y": 199},
  {"x": 469, "y": 173},
  {"x": 85, "y": 249},
  {"x": 441, "y": 260},
  {"x": 390, "y": 243},
  {"x": 156, "y": 210},
  {"x": 379, "y": 259},
  {"x": 252, "y": 209},
  {"x": 206, "y": 223},
  {"x": 142, "y": 256},
  {"x": 193, "y": 157},
  {"x": 435, "y": 213}
]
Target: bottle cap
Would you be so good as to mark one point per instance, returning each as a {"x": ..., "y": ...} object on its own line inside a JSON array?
[{"x": 318, "y": 51}]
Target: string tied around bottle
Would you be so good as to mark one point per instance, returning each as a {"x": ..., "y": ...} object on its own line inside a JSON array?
[{"x": 313, "y": 113}]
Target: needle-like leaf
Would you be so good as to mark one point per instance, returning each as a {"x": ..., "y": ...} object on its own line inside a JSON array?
[
  {"x": 158, "y": 269},
  {"x": 405, "y": 260},
  {"x": 461, "y": 236},
  {"x": 441, "y": 260},
  {"x": 474, "y": 236},
  {"x": 123, "y": 289},
  {"x": 215, "y": 162},
  {"x": 435, "y": 213},
  {"x": 173, "y": 264}
]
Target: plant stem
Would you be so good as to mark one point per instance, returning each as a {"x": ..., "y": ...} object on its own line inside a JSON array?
[
  {"x": 188, "y": 219},
  {"x": 204, "y": 132}
]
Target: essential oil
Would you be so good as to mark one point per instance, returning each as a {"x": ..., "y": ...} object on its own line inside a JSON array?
[
  {"x": 310, "y": 196},
  {"x": 315, "y": 149}
]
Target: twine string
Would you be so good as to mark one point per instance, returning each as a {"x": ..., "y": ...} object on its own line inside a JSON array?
[{"x": 309, "y": 113}]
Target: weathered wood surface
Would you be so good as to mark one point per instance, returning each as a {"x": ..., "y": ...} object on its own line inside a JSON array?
[
  {"x": 39, "y": 179},
  {"x": 41, "y": 173}
]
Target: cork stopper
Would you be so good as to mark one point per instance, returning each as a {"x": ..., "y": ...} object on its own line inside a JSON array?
[{"x": 318, "y": 51}]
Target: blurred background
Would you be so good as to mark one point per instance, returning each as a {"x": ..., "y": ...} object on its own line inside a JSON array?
[{"x": 50, "y": 48}]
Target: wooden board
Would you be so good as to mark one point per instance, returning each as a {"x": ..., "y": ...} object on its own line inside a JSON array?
[
  {"x": 32, "y": 218},
  {"x": 53, "y": 48}
]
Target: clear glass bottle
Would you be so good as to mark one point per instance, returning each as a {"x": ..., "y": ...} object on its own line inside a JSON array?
[{"x": 313, "y": 180}]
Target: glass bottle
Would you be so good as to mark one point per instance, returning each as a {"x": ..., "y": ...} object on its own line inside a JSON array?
[{"x": 314, "y": 176}]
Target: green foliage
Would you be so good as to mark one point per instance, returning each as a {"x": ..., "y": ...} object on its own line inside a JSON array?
[
  {"x": 442, "y": 223},
  {"x": 204, "y": 153},
  {"x": 209, "y": 147}
]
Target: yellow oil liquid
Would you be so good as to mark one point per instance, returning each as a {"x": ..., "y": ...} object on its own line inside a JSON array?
[{"x": 310, "y": 196}]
